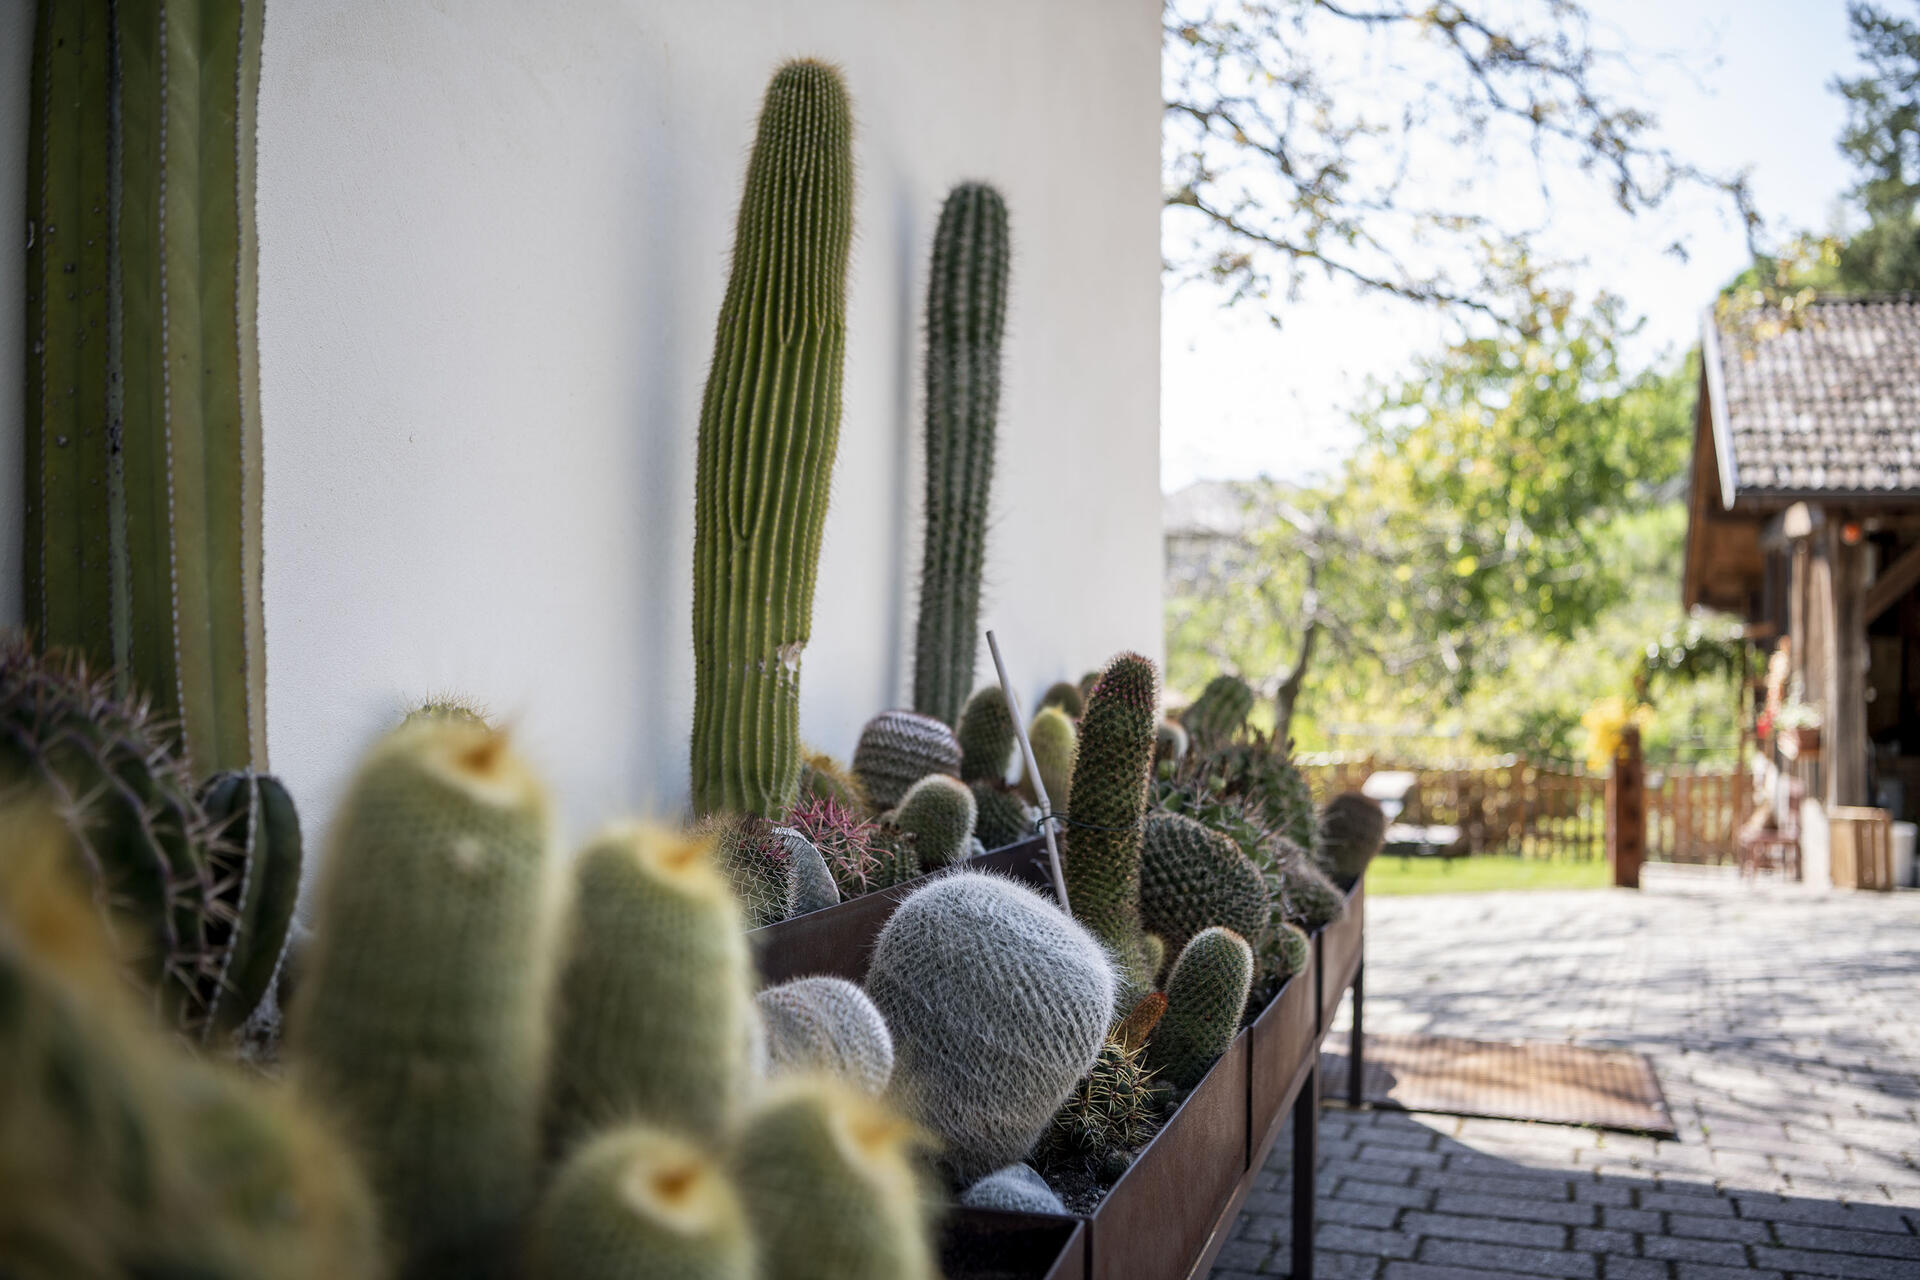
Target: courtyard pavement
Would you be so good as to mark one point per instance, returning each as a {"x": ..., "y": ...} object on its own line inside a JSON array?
[{"x": 1784, "y": 1026}]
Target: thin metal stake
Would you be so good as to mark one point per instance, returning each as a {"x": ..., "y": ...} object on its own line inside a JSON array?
[{"x": 1033, "y": 771}]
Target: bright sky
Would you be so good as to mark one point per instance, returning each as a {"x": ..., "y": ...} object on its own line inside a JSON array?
[{"x": 1735, "y": 83}]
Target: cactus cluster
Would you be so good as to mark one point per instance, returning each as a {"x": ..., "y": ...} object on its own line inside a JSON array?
[
  {"x": 1191, "y": 878},
  {"x": 897, "y": 749},
  {"x": 769, "y": 426},
  {"x": 987, "y": 736},
  {"x": 861, "y": 856},
  {"x": 1352, "y": 829},
  {"x": 1219, "y": 712},
  {"x": 938, "y": 815},
  {"x": 1109, "y": 799},
  {"x": 966, "y": 315},
  {"x": 1206, "y": 994},
  {"x": 1002, "y": 817},
  {"x": 998, "y": 1003},
  {"x": 826, "y": 1025}
]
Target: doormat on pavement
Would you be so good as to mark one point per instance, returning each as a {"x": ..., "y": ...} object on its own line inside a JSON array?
[{"x": 1550, "y": 1083}]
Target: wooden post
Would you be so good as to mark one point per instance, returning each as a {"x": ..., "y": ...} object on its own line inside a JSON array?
[{"x": 1627, "y": 811}]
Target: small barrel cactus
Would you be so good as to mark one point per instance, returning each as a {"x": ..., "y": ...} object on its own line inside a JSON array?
[
  {"x": 1220, "y": 710},
  {"x": 1015, "y": 1189},
  {"x": 860, "y": 855},
  {"x": 654, "y": 1017},
  {"x": 987, "y": 737},
  {"x": 1206, "y": 994},
  {"x": 1056, "y": 745},
  {"x": 981, "y": 1068},
  {"x": 1003, "y": 817},
  {"x": 1287, "y": 954},
  {"x": 758, "y": 864},
  {"x": 897, "y": 749},
  {"x": 813, "y": 886},
  {"x": 1307, "y": 898},
  {"x": 1108, "y": 1116},
  {"x": 1110, "y": 779},
  {"x": 1352, "y": 829},
  {"x": 1070, "y": 698},
  {"x": 832, "y": 1188},
  {"x": 826, "y": 1024},
  {"x": 638, "y": 1201},
  {"x": 421, "y": 1013},
  {"x": 824, "y": 778},
  {"x": 1191, "y": 877},
  {"x": 938, "y": 812}
]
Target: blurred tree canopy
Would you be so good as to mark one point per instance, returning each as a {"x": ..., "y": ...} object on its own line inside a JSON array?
[{"x": 1882, "y": 139}]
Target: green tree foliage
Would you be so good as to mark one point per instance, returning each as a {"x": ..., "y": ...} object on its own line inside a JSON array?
[{"x": 1882, "y": 139}]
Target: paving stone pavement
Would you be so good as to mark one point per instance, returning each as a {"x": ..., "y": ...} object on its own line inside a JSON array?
[{"x": 1784, "y": 1027}]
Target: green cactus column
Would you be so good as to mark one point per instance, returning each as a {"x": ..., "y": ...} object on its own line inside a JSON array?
[
  {"x": 768, "y": 429},
  {"x": 1109, "y": 793},
  {"x": 143, "y": 440},
  {"x": 966, "y": 314}
]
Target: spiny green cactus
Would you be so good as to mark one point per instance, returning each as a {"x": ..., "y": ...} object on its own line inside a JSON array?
[
  {"x": 1056, "y": 745},
  {"x": 769, "y": 425},
  {"x": 813, "y": 886},
  {"x": 143, "y": 457},
  {"x": 1289, "y": 951},
  {"x": 107, "y": 770},
  {"x": 1014, "y": 1189},
  {"x": 655, "y": 1015},
  {"x": 1220, "y": 710},
  {"x": 420, "y": 1017},
  {"x": 987, "y": 736},
  {"x": 832, "y": 1187},
  {"x": 1134, "y": 1030},
  {"x": 1109, "y": 800},
  {"x": 259, "y": 853},
  {"x": 824, "y": 778},
  {"x": 1307, "y": 897},
  {"x": 860, "y": 855},
  {"x": 1206, "y": 994},
  {"x": 1352, "y": 828},
  {"x": 1153, "y": 950},
  {"x": 638, "y": 1201},
  {"x": 1254, "y": 768},
  {"x": 1108, "y": 1116},
  {"x": 826, "y": 1025},
  {"x": 1003, "y": 817},
  {"x": 1191, "y": 877},
  {"x": 939, "y": 813},
  {"x": 983, "y": 1072},
  {"x": 897, "y": 749},
  {"x": 966, "y": 314},
  {"x": 1170, "y": 744},
  {"x": 451, "y": 706},
  {"x": 759, "y": 866},
  {"x": 1071, "y": 699}
]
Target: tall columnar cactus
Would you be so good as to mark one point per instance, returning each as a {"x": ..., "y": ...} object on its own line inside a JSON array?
[
  {"x": 769, "y": 425},
  {"x": 1217, "y": 714},
  {"x": 826, "y": 1024},
  {"x": 1191, "y": 877},
  {"x": 966, "y": 314},
  {"x": 986, "y": 736},
  {"x": 257, "y": 854},
  {"x": 655, "y": 1012},
  {"x": 1206, "y": 994},
  {"x": 143, "y": 457},
  {"x": 982, "y": 1071},
  {"x": 111, "y": 775},
  {"x": 640, "y": 1201},
  {"x": 831, "y": 1186},
  {"x": 1109, "y": 800},
  {"x": 1352, "y": 829},
  {"x": 938, "y": 812},
  {"x": 421, "y": 1013},
  {"x": 1056, "y": 746},
  {"x": 897, "y": 749}
]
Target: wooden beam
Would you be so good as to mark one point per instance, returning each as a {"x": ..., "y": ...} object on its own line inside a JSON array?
[
  {"x": 1893, "y": 582},
  {"x": 1845, "y": 728}
]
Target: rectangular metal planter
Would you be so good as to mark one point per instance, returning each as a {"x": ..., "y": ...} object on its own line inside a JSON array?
[
  {"x": 1280, "y": 1041},
  {"x": 839, "y": 939},
  {"x": 986, "y": 1244},
  {"x": 1338, "y": 951}
]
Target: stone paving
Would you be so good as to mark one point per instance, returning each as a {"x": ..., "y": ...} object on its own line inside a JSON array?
[{"x": 1784, "y": 1026}]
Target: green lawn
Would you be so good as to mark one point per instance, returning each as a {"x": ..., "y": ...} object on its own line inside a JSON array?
[{"x": 1395, "y": 876}]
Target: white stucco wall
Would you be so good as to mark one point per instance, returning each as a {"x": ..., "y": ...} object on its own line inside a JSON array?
[{"x": 494, "y": 237}]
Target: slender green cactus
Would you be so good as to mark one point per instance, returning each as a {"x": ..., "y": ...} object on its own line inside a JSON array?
[
  {"x": 769, "y": 426},
  {"x": 655, "y": 1017},
  {"x": 986, "y": 736},
  {"x": 1191, "y": 877},
  {"x": 939, "y": 813},
  {"x": 966, "y": 314},
  {"x": 1056, "y": 745},
  {"x": 1070, "y": 698},
  {"x": 258, "y": 854},
  {"x": 638, "y": 1201},
  {"x": 1110, "y": 779},
  {"x": 1352, "y": 829},
  {"x": 420, "y": 1017},
  {"x": 1217, "y": 714},
  {"x": 1004, "y": 817},
  {"x": 1206, "y": 994},
  {"x": 143, "y": 434}
]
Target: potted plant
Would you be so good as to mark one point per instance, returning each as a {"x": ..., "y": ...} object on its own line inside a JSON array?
[{"x": 1797, "y": 729}]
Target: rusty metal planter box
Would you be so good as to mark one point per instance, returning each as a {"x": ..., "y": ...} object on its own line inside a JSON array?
[
  {"x": 1337, "y": 952},
  {"x": 1281, "y": 1041},
  {"x": 985, "y": 1244}
]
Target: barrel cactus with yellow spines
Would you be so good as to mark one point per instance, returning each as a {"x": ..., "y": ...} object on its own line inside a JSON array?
[
  {"x": 769, "y": 426},
  {"x": 1110, "y": 777},
  {"x": 421, "y": 1015},
  {"x": 1056, "y": 745}
]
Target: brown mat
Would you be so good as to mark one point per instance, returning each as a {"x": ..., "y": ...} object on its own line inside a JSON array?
[{"x": 1551, "y": 1083}]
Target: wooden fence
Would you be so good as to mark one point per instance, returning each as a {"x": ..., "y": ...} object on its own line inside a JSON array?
[{"x": 1549, "y": 809}]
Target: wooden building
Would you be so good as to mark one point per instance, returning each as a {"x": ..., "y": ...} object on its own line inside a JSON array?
[{"x": 1804, "y": 520}]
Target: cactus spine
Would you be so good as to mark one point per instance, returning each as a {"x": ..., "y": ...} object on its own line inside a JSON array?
[
  {"x": 655, "y": 1016},
  {"x": 143, "y": 434},
  {"x": 259, "y": 853},
  {"x": 420, "y": 1017},
  {"x": 1110, "y": 779},
  {"x": 939, "y": 813},
  {"x": 986, "y": 736},
  {"x": 1206, "y": 994},
  {"x": 638, "y": 1201},
  {"x": 966, "y": 314},
  {"x": 1191, "y": 877},
  {"x": 769, "y": 425}
]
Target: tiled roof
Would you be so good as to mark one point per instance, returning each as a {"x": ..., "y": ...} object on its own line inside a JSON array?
[{"x": 1826, "y": 404}]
